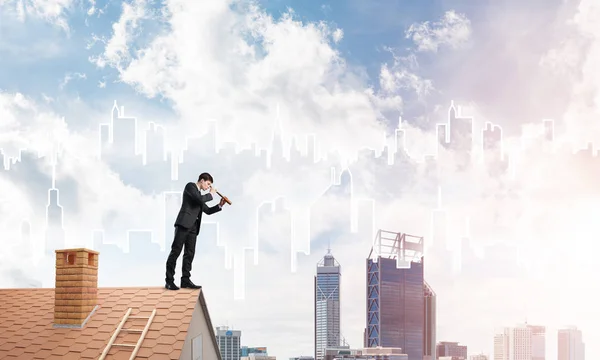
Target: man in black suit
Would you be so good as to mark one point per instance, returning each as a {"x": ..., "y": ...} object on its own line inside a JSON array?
[{"x": 187, "y": 227}]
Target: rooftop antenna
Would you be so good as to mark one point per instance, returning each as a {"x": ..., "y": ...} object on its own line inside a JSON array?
[{"x": 329, "y": 246}]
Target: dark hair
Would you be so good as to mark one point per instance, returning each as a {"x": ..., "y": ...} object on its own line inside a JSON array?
[{"x": 206, "y": 177}]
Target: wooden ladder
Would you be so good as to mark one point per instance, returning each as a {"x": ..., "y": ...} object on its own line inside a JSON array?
[{"x": 136, "y": 346}]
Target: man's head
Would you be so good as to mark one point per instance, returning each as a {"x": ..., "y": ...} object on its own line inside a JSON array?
[{"x": 205, "y": 180}]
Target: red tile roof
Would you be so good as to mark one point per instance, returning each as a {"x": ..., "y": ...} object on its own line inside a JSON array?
[{"x": 27, "y": 331}]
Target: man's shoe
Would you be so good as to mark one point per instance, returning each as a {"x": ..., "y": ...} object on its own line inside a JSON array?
[
  {"x": 188, "y": 284},
  {"x": 171, "y": 286}
]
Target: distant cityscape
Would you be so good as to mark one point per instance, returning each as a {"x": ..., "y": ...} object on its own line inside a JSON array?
[
  {"x": 156, "y": 168},
  {"x": 401, "y": 306},
  {"x": 401, "y": 316}
]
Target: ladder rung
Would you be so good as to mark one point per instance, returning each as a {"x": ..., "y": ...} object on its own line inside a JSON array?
[
  {"x": 133, "y": 330},
  {"x": 136, "y": 346}
]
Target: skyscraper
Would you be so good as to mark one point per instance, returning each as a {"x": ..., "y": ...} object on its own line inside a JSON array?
[
  {"x": 523, "y": 342},
  {"x": 538, "y": 342},
  {"x": 155, "y": 143},
  {"x": 570, "y": 344},
  {"x": 55, "y": 234},
  {"x": 429, "y": 323},
  {"x": 501, "y": 345},
  {"x": 124, "y": 133},
  {"x": 395, "y": 293},
  {"x": 327, "y": 305},
  {"x": 229, "y": 343}
]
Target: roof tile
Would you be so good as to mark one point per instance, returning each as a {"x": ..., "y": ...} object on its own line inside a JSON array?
[
  {"x": 170, "y": 331},
  {"x": 15, "y": 352},
  {"x": 42, "y": 354},
  {"x": 61, "y": 351},
  {"x": 162, "y": 349},
  {"x": 7, "y": 346},
  {"x": 145, "y": 352},
  {"x": 166, "y": 339},
  {"x": 26, "y": 331}
]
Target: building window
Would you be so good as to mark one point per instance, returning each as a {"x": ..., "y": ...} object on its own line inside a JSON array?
[{"x": 197, "y": 347}]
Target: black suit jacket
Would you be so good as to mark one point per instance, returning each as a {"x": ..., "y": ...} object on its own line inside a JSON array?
[{"x": 193, "y": 204}]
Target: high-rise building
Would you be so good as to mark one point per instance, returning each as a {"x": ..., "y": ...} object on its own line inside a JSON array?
[
  {"x": 395, "y": 289},
  {"x": 519, "y": 343},
  {"x": 123, "y": 133},
  {"x": 501, "y": 345},
  {"x": 229, "y": 343},
  {"x": 523, "y": 342},
  {"x": 155, "y": 143},
  {"x": 327, "y": 305},
  {"x": 456, "y": 135},
  {"x": 538, "y": 342},
  {"x": 452, "y": 350},
  {"x": 570, "y": 344},
  {"x": 55, "y": 234},
  {"x": 429, "y": 323}
]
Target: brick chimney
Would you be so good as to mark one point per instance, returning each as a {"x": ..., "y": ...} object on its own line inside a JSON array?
[{"x": 76, "y": 290}]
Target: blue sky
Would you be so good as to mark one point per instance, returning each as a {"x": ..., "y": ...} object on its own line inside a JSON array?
[
  {"x": 512, "y": 63},
  {"x": 369, "y": 28}
]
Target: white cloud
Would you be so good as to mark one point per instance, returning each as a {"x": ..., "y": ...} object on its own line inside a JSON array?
[
  {"x": 338, "y": 34},
  {"x": 453, "y": 30},
  {"x": 27, "y": 125},
  {"x": 117, "y": 48},
  {"x": 53, "y": 11},
  {"x": 71, "y": 76},
  {"x": 255, "y": 60},
  {"x": 401, "y": 76},
  {"x": 237, "y": 67},
  {"x": 577, "y": 58},
  {"x": 92, "y": 9}
]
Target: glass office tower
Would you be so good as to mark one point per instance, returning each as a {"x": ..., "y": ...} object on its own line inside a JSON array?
[
  {"x": 327, "y": 305},
  {"x": 395, "y": 294}
]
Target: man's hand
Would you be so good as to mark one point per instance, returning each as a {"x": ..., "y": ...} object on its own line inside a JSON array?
[
  {"x": 222, "y": 202},
  {"x": 213, "y": 190}
]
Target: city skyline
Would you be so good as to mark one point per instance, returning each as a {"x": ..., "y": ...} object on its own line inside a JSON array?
[
  {"x": 54, "y": 195},
  {"x": 502, "y": 186}
]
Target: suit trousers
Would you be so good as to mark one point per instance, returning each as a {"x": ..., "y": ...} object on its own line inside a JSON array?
[{"x": 183, "y": 239}]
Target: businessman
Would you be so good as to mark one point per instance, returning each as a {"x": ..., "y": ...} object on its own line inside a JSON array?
[{"x": 187, "y": 227}]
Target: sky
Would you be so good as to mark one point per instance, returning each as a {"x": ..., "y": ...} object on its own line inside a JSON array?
[{"x": 345, "y": 72}]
